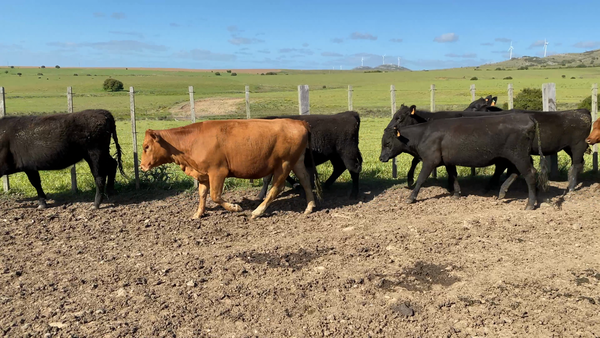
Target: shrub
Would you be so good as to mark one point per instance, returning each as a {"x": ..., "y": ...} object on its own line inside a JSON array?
[
  {"x": 587, "y": 103},
  {"x": 57, "y": 66},
  {"x": 581, "y": 65},
  {"x": 112, "y": 85},
  {"x": 529, "y": 99},
  {"x": 262, "y": 73},
  {"x": 508, "y": 78},
  {"x": 270, "y": 73},
  {"x": 12, "y": 67},
  {"x": 19, "y": 74},
  {"x": 88, "y": 74},
  {"x": 229, "y": 71},
  {"x": 563, "y": 76},
  {"x": 233, "y": 74},
  {"x": 523, "y": 68},
  {"x": 474, "y": 78},
  {"x": 39, "y": 74},
  {"x": 218, "y": 74},
  {"x": 6, "y": 72},
  {"x": 572, "y": 77},
  {"x": 493, "y": 78},
  {"x": 75, "y": 74},
  {"x": 43, "y": 66},
  {"x": 324, "y": 87},
  {"x": 505, "y": 106}
]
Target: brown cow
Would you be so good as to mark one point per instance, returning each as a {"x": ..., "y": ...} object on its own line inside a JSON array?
[
  {"x": 594, "y": 136},
  {"x": 210, "y": 151}
]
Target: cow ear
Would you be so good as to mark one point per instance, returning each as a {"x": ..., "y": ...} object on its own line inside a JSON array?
[
  {"x": 152, "y": 134},
  {"x": 412, "y": 109}
]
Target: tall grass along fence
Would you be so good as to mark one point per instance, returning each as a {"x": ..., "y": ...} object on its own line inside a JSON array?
[{"x": 549, "y": 104}]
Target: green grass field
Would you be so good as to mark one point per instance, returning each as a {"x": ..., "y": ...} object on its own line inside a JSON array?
[{"x": 157, "y": 91}]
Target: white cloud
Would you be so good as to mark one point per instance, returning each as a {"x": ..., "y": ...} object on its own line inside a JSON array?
[
  {"x": 587, "y": 44},
  {"x": 465, "y": 56},
  {"x": 448, "y": 37},
  {"x": 118, "y": 15},
  {"x": 337, "y": 40},
  {"x": 362, "y": 36},
  {"x": 396, "y": 40},
  {"x": 205, "y": 55},
  {"x": 238, "y": 40},
  {"x": 331, "y": 54}
]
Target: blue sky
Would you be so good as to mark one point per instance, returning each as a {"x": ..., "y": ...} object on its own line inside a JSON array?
[{"x": 289, "y": 34}]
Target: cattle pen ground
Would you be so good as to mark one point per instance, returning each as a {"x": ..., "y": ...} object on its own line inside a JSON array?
[{"x": 140, "y": 266}]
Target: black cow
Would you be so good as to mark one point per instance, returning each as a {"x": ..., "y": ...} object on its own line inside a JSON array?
[
  {"x": 53, "y": 142},
  {"x": 334, "y": 139},
  {"x": 473, "y": 142},
  {"x": 406, "y": 116},
  {"x": 484, "y": 104},
  {"x": 561, "y": 130}
]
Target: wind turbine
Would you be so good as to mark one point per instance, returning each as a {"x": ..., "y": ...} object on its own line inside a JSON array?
[
  {"x": 398, "y": 62},
  {"x": 362, "y": 59},
  {"x": 510, "y": 50},
  {"x": 383, "y": 63},
  {"x": 545, "y": 47}
]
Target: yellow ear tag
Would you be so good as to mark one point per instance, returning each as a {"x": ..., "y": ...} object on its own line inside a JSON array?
[
  {"x": 493, "y": 103},
  {"x": 398, "y": 133},
  {"x": 412, "y": 112}
]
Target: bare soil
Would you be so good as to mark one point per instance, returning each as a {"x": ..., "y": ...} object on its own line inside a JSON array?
[
  {"x": 441, "y": 267},
  {"x": 208, "y": 107}
]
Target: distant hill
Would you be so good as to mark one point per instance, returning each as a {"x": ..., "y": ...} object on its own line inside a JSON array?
[
  {"x": 384, "y": 68},
  {"x": 581, "y": 60}
]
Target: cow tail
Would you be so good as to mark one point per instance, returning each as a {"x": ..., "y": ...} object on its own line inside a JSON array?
[
  {"x": 315, "y": 172},
  {"x": 113, "y": 131},
  {"x": 542, "y": 178}
]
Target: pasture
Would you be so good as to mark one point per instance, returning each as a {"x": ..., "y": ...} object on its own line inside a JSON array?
[{"x": 139, "y": 266}]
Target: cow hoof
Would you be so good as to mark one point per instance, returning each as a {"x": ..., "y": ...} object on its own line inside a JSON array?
[
  {"x": 410, "y": 200},
  {"x": 501, "y": 195},
  {"x": 236, "y": 208},
  {"x": 42, "y": 206},
  {"x": 529, "y": 207},
  {"x": 456, "y": 196}
]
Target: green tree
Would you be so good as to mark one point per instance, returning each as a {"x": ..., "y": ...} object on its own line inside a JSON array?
[
  {"x": 529, "y": 99},
  {"x": 112, "y": 85},
  {"x": 587, "y": 103}
]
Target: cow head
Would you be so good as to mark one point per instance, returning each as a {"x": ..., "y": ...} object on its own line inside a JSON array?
[
  {"x": 483, "y": 104},
  {"x": 594, "y": 136},
  {"x": 391, "y": 146},
  {"x": 154, "y": 151},
  {"x": 403, "y": 117}
]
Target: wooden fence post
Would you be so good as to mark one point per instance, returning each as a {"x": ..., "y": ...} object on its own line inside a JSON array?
[
  {"x": 432, "y": 108},
  {"x": 134, "y": 136},
  {"x": 510, "y": 96},
  {"x": 193, "y": 116},
  {"x": 549, "y": 104},
  {"x": 350, "y": 98},
  {"x": 247, "y": 102},
  {"x": 472, "y": 90},
  {"x": 5, "y": 183},
  {"x": 303, "y": 100},
  {"x": 393, "y": 99},
  {"x": 73, "y": 168},
  {"x": 594, "y": 117}
]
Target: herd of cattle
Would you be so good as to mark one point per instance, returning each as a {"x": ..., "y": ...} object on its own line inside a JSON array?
[{"x": 269, "y": 148}]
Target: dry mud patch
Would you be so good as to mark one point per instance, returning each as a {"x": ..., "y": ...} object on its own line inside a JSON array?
[{"x": 377, "y": 267}]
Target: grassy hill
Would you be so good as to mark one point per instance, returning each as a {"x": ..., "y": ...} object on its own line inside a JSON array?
[{"x": 567, "y": 60}]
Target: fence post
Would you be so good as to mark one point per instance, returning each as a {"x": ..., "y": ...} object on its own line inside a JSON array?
[
  {"x": 594, "y": 117},
  {"x": 193, "y": 116},
  {"x": 393, "y": 98},
  {"x": 247, "y": 102},
  {"x": 472, "y": 90},
  {"x": 134, "y": 136},
  {"x": 5, "y": 183},
  {"x": 350, "y": 98},
  {"x": 510, "y": 96},
  {"x": 73, "y": 168},
  {"x": 549, "y": 104},
  {"x": 303, "y": 100},
  {"x": 432, "y": 108}
]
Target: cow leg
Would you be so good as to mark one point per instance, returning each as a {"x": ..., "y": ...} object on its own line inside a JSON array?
[
  {"x": 528, "y": 171},
  {"x": 338, "y": 169},
  {"x": 34, "y": 178},
  {"x": 495, "y": 180},
  {"x": 111, "y": 170},
  {"x": 425, "y": 172},
  {"x": 302, "y": 174},
  {"x": 265, "y": 187},
  {"x": 216, "y": 181},
  {"x": 513, "y": 173},
  {"x": 577, "y": 162},
  {"x": 410, "y": 175},
  {"x": 202, "y": 192},
  {"x": 353, "y": 163},
  {"x": 93, "y": 161},
  {"x": 453, "y": 185},
  {"x": 279, "y": 177}
]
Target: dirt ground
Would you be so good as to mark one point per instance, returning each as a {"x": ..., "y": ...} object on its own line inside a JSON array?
[
  {"x": 207, "y": 107},
  {"x": 441, "y": 267}
]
